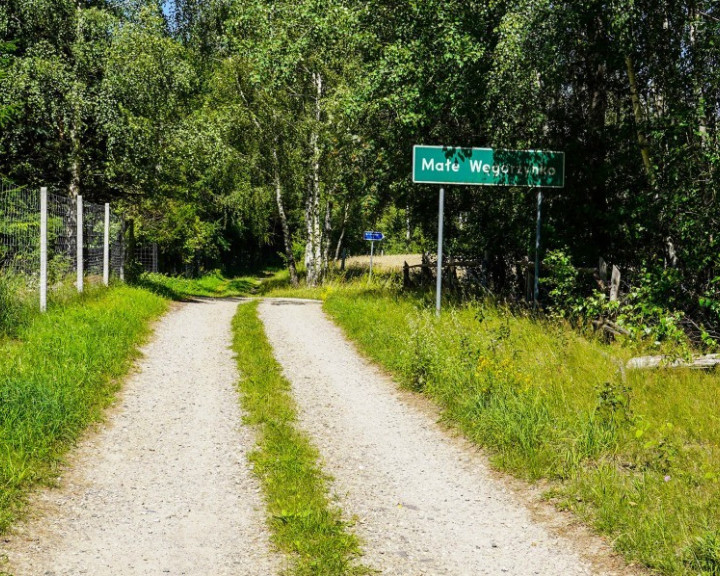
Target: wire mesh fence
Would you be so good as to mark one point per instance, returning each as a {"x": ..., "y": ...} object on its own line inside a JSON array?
[
  {"x": 19, "y": 230},
  {"x": 146, "y": 256},
  {"x": 94, "y": 239},
  {"x": 20, "y": 236},
  {"x": 62, "y": 238}
]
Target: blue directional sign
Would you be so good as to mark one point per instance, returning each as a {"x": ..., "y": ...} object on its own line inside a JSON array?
[{"x": 373, "y": 236}]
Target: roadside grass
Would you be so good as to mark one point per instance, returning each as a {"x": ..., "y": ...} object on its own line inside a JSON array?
[
  {"x": 212, "y": 285},
  {"x": 636, "y": 454},
  {"x": 306, "y": 525},
  {"x": 353, "y": 279},
  {"x": 57, "y": 372}
]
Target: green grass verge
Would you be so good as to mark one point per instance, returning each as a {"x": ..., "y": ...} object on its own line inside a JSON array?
[
  {"x": 306, "y": 525},
  {"x": 56, "y": 375},
  {"x": 636, "y": 455},
  {"x": 213, "y": 285}
]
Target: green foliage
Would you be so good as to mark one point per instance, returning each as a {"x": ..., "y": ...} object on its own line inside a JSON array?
[
  {"x": 6, "y": 48},
  {"x": 561, "y": 282},
  {"x": 645, "y": 312},
  {"x": 305, "y": 524},
  {"x": 613, "y": 406},
  {"x": 55, "y": 378}
]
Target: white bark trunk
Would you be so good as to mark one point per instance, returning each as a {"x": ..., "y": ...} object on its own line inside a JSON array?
[
  {"x": 287, "y": 240},
  {"x": 313, "y": 247}
]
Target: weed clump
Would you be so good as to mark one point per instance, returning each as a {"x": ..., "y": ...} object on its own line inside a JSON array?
[{"x": 703, "y": 555}]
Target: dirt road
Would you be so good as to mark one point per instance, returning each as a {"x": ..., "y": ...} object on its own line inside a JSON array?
[
  {"x": 164, "y": 487},
  {"x": 425, "y": 504}
]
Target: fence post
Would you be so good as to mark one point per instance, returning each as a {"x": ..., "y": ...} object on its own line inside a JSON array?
[
  {"x": 43, "y": 249},
  {"x": 615, "y": 284},
  {"x": 602, "y": 270},
  {"x": 122, "y": 250},
  {"x": 80, "y": 263},
  {"x": 106, "y": 247}
]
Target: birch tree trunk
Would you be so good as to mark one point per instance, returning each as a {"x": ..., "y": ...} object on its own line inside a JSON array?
[
  {"x": 313, "y": 246},
  {"x": 287, "y": 240}
]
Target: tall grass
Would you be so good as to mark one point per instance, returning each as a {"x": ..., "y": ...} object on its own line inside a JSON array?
[
  {"x": 305, "y": 524},
  {"x": 56, "y": 374},
  {"x": 212, "y": 285},
  {"x": 636, "y": 453},
  {"x": 17, "y": 304}
]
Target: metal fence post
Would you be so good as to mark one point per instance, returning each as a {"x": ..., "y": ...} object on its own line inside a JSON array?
[
  {"x": 43, "y": 249},
  {"x": 536, "y": 288},
  {"x": 80, "y": 270},
  {"x": 122, "y": 250},
  {"x": 372, "y": 249},
  {"x": 106, "y": 247}
]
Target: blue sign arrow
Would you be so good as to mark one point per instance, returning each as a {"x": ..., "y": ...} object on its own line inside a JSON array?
[{"x": 373, "y": 236}]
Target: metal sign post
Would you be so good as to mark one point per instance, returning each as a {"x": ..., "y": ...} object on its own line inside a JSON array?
[
  {"x": 438, "y": 287},
  {"x": 43, "y": 248},
  {"x": 79, "y": 248},
  {"x": 372, "y": 237},
  {"x": 536, "y": 290}
]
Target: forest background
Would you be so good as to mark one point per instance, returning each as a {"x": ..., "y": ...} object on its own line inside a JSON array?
[{"x": 230, "y": 132}]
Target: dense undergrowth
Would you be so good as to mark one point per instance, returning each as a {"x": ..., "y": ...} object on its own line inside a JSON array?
[
  {"x": 635, "y": 453},
  {"x": 57, "y": 371},
  {"x": 305, "y": 524}
]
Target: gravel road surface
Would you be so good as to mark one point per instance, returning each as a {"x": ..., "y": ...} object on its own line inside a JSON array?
[
  {"x": 164, "y": 487},
  {"x": 425, "y": 504}
]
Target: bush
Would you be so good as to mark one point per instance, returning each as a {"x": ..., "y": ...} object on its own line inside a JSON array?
[{"x": 562, "y": 283}]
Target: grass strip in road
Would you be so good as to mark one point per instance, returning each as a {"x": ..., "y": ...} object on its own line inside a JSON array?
[
  {"x": 635, "y": 453},
  {"x": 306, "y": 525},
  {"x": 56, "y": 375}
]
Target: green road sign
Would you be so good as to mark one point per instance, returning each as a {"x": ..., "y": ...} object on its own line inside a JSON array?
[{"x": 488, "y": 167}]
